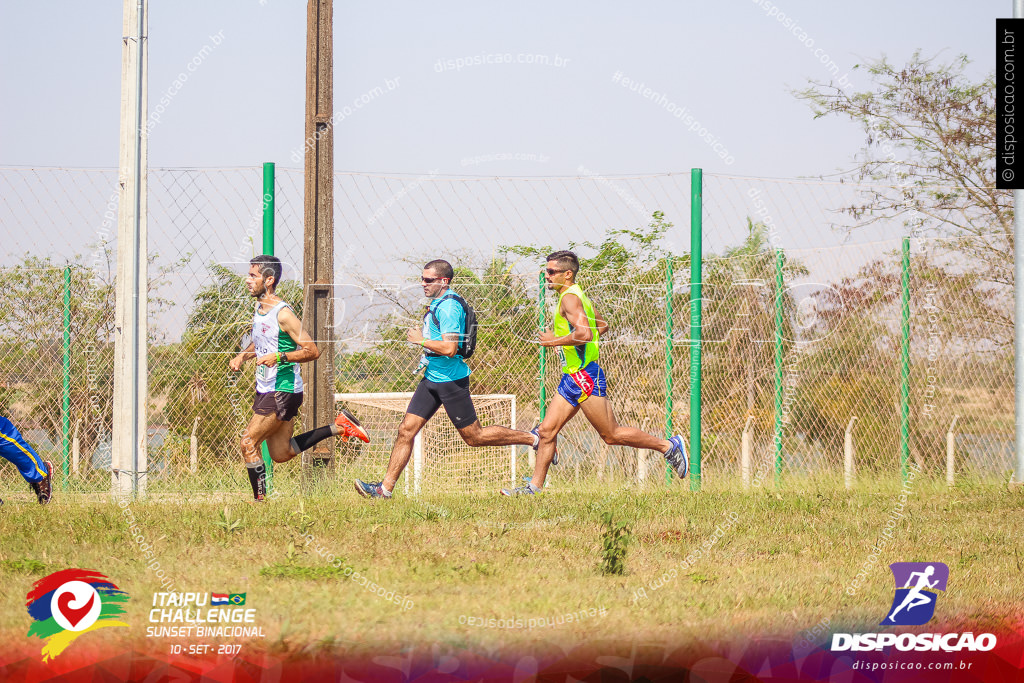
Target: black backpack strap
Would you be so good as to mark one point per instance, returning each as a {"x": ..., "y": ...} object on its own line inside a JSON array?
[
  {"x": 437, "y": 322},
  {"x": 456, "y": 297}
]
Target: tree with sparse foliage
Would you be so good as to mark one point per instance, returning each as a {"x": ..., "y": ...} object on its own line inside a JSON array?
[
  {"x": 31, "y": 344},
  {"x": 930, "y": 131}
]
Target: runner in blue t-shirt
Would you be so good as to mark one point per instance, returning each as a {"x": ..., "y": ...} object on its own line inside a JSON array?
[
  {"x": 445, "y": 383},
  {"x": 34, "y": 469},
  {"x": 444, "y": 316}
]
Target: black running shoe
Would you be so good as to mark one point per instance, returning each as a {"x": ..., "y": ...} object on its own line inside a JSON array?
[{"x": 42, "y": 488}]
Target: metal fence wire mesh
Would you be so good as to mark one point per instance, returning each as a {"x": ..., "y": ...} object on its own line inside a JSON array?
[
  {"x": 819, "y": 354},
  {"x": 440, "y": 459}
]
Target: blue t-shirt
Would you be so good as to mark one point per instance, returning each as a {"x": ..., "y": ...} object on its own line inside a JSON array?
[{"x": 452, "y": 317}]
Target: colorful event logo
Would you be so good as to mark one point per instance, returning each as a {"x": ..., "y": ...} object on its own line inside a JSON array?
[
  {"x": 916, "y": 583},
  {"x": 71, "y": 602}
]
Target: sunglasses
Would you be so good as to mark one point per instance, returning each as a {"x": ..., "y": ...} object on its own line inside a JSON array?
[
  {"x": 431, "y": 280},
  {"x": 555, "y": 271}
]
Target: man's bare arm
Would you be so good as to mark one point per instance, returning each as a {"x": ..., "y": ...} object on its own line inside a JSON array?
[
  {"x": 292, "y": 326},
  {"x": 572, "y": 309},
  {"x": 238, "y": 361},
  {"x": 600, "y": 323},
  {"x": 448, "y": 346}
]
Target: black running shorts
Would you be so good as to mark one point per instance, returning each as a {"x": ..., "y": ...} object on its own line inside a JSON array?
[
  {"x": 454, "y": 396},
  {"x": 282, "y": 404}
]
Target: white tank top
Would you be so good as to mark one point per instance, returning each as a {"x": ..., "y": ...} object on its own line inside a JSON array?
[{"x": 268, "y": 337}]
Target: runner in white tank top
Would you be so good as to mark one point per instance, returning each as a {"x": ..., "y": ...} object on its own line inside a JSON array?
[{"x": 279, "y": 344}]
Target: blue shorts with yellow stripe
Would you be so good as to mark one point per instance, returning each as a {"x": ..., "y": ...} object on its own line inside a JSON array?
[
  {"x": 13, "y": 447},
  {"x": 576, "y": 387}
]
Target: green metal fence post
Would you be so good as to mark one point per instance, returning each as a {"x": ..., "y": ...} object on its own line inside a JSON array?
[
  {"x": 779, "y": 284},
  {"x": 696, "y": 275},
  {"x": 905, "y": 363},
  {"x": 65, "y": 414},
  {"x": 268, "y": 248},
  {"x": 668, "y": 358},
  {"x": 268, "y": 208},
  {"x": 542, "y": 324}
]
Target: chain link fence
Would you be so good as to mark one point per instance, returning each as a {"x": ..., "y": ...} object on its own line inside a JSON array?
[{"x": 819, "y": 353}]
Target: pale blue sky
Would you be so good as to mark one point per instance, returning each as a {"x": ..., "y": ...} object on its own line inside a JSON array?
[{"x": 729, "y": 63}]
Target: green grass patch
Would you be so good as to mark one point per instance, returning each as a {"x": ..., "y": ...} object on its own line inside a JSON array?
[
  {"x": 25, "y": 565},
  {"x": 336, "y": 568},
  {"x": 285, "y": 570}
]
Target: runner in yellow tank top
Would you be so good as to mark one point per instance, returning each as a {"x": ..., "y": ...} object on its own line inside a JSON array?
[
  {"x": 577, "y": 356},
  {"x": 577, "y": 330}
]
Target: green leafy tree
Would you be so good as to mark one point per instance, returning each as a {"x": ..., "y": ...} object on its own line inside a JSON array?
[
  {"x": 31, "y": 347},
  {"x": 506, "y": 316},
  {"x": 31, "y": 343}
]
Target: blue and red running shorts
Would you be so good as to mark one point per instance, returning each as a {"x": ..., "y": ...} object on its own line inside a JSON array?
[{"x": 576, "y": 387}]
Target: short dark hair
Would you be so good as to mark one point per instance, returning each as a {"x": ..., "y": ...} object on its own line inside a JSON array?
[
  {"x": 566, "y": 259},
  {"x": 441, "y": 267},
  {"x": 269, "y": 265}
]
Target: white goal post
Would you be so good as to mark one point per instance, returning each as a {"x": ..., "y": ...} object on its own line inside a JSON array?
[{"x": 439, "y": 456}]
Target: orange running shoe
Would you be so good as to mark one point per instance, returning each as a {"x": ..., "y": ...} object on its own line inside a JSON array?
[{"x": 350, "y": 427}]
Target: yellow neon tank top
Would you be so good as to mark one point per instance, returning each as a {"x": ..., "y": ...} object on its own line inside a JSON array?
[{"x": 580, "y": 355}]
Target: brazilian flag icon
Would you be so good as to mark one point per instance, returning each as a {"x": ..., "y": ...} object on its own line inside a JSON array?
[{"x": 237, "y": 598}]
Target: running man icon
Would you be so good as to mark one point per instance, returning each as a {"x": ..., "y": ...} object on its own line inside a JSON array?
[{"x": 916, "y": 586}]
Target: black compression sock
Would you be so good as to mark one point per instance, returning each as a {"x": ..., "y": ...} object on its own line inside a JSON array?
[
  {"x": 258, "y": 478},
  {"x": 307, "y": 440}
]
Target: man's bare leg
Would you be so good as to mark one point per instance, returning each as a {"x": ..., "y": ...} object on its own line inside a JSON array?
[
  {"x": 402, "y": 450},
  {"x": 557, "y": 416},
  {"x": 495, "y": 435},
  {"x": 279, "y": 442},
  {"x": 258, "y": 429},
  {"x": 598, "y": 410}
]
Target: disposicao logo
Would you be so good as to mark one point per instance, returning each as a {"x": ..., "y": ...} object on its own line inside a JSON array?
[
  {"x": 916, "y": 583},
  {"x": 69, "y": 603},
  {"x": 913, "y": 604}
]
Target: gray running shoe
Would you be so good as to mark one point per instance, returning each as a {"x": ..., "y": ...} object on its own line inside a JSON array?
[
  {"x": 372, "y": 489},
  {"x": 677, "y": 457},
  {"x": 520, "y": 491}
]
